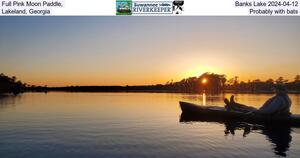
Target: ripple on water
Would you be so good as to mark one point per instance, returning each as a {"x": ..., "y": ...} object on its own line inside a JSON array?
[{"x": 95, "y": 125}]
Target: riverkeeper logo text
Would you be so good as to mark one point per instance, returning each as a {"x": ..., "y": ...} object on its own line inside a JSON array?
[
  {"x": 155, "y": 7},
  {"x": 133, "y": 7}
]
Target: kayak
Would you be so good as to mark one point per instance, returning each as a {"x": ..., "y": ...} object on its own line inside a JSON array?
[{"x": 194, "y": 112}]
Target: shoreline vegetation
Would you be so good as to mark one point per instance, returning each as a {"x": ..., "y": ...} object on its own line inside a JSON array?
[{"x": 207, "y": 82}]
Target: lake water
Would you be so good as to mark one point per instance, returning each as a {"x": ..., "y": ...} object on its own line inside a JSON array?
[{"x": 39, "y": 125}]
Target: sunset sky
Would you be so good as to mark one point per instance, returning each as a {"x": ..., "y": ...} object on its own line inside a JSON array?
[{"x": 61, "y": 51}]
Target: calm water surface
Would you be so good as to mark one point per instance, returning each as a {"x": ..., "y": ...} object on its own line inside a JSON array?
[{"x": 132, "y": 125}]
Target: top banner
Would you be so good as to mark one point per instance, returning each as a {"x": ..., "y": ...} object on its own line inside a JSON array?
[{"x": 150, "y": 8}]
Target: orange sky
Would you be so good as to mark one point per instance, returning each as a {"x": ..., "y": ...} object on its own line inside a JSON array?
[{"x": 61, "y": 51}]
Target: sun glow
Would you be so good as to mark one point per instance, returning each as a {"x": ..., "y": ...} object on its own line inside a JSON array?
[
  {"x": 199, "y": 70},
  {"x": 204, "y": 81}
]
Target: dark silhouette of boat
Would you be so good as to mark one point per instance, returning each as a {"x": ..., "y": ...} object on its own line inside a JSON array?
[{"x": 195, "y": 112}]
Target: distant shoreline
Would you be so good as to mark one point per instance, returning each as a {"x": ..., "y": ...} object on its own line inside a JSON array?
[
  {"x": 207, "y": 82},
  {"x": 143, "y": 89}
]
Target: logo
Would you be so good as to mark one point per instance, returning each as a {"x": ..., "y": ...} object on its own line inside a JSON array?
[
  {"x": 178, "y": 6},
  {"x": 123, "y": 7},
  {"x": 130, "y": 7},
  {"x": 152, "y": 7}
]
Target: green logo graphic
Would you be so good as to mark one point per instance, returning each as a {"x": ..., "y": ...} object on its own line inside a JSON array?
[{"x": 123, "y": 7}]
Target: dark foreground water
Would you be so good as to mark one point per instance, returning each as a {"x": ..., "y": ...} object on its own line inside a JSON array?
[{"x": 132, "y": 125}]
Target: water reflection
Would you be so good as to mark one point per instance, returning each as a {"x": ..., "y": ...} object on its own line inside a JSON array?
[
  {"x": 278, "y": 135},
  {"x": 130, "y": 125},
  {"x": 203, "y": 99},
  {"x": 8, "y": 100}
]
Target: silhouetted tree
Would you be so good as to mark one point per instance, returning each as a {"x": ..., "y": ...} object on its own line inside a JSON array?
[
  {"x": 281, "y": 80},
  {"x": 297, "y": 79},
  {"x": 270, "y": 81},
  {"x": 10, "y": 84}
]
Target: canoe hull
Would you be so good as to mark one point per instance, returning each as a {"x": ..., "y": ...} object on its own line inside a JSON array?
[{"x": 194, "y": 112}]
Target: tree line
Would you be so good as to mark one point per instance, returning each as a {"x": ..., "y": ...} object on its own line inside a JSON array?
[
  {"x": 219, "y": 83},
  {"x": 207, "y": 82},
  {"x": 11, "y": 84},
  {"x": 258, "y": 85}
]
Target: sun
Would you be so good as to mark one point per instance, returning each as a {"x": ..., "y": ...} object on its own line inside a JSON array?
[{"x": 204, "y": 80}]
